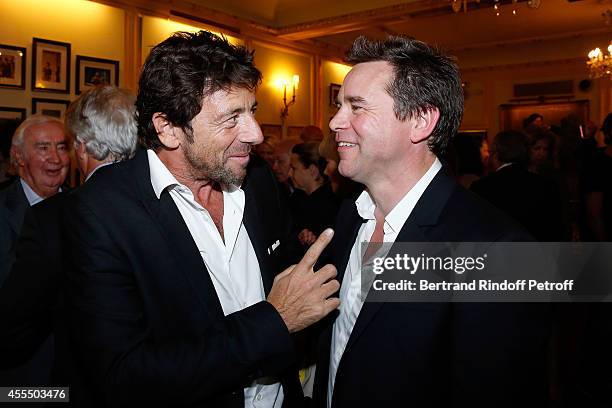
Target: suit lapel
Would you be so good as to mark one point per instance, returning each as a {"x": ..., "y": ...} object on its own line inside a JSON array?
[
  {"x": 177, "y": 236},
  {"x": 424, "y": 216},
  {"x": 347, "y": 229},
  {"x": 17, "y": 205},
  {"x": 255, "y": 227}
]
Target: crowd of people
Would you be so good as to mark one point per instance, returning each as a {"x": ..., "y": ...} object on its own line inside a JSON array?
[
  {"x": 552, "y": 179},
  {"x": 200, "y": 264}
]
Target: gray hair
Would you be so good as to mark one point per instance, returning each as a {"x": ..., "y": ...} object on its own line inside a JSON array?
[
  {"x": 103, "y": 119},
  {"x": 33, "y": 120}
]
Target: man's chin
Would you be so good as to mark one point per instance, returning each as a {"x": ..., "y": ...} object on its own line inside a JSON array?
[{"x": 234, "y": 176}]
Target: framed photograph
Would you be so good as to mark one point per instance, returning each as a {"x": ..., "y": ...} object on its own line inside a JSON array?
[
  {"x": 18, "y": 114},
  {"x": 334, "y": 89},
  {"x": 92, "y": 71},
  {"x": 50, "y": 107},
  {"x": 513, "y": 115},
  {"x": 10, "y": 119},
  {"x": 12, "y": 67},
  {"x": 273, "y": 133},
  {"x": 50, "y": 66},
  {"x": 293, "y": 132}
]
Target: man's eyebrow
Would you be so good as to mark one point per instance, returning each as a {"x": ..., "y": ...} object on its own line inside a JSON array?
[
  {"x": 356, "y": 99},
  {"x": 220, "y": 117}
]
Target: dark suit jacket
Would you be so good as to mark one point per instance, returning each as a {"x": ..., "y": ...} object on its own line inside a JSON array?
[
  {"x": 13, "y": 206},
  {"x": 28, "y": 297},
  {"x": 532, "y": 200},
  {"x": 32, "y": 310},
  {"x": 437, "y": 354},
  {"x": 316, "y": 211},
  {"x": 148, "y": 325}
]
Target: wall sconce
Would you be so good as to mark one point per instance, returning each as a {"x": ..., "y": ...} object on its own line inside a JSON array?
[{"x": 286, "y": 105}]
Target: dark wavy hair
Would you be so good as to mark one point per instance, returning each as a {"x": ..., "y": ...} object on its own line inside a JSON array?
[
  {"x": 308, "y": 153},
  {"x": 181, "y": 71},
  {"x": 424, "y": 78},
  {"x": 535, "y": 133}
]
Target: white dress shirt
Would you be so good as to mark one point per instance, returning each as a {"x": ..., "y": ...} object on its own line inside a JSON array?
[
  {"x": 232, "y": 265},
  {"x": 30, "y": 194},
  {"x": 350, "y": 299}
]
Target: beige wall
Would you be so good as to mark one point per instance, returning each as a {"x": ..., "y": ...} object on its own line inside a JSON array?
[
  {"x": 156, "y": 30},
  {"x": 276, "y": 65},
  {"x": 92, "y": 29},
  {"x": 333, "y": 73}
]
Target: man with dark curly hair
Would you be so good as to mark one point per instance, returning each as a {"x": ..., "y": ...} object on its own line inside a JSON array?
[{"x": 174, "y": 282}]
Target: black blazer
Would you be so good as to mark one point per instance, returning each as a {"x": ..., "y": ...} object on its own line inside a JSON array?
[
  {"x": 437, "y": 354},
  {"x": 29, "y": 295},
  {"x": 13, "y": 206},
  {"x": 148, "y": 325},
  {"x": 32, "y": 310}
]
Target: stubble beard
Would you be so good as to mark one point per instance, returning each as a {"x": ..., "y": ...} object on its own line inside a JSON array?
[{"x": 205, "y": 166}]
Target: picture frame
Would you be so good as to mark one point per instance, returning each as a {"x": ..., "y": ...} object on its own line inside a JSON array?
[
  {"x": 50, "y": 66},
  {"x": 10, "y": 119},
  {"x": 274, "y": 133},
  {"x": 334, "y": 89},
  {"x": 12, "y": 67},
  {"x": 512, "y": 115},
  {"x": 50, "y": 107},
  {"x": 10, "y": 113},
  {"x": 91, "y": 71}
]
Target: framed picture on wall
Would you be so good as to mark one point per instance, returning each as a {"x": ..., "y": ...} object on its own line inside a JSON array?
[
  {"x": 12, "y": 67},
  {"x": 274, "y": 133},
  {"x": 92, "y": 71},
  {"x": 50, "y": 66},
  {"x": 10, "y": 119},
  {"x": 334, "y": 89},
  {"x": 513, "y": 115},
  {"x": 50, "y": 107},
  {"x": 18, "y": 114}
]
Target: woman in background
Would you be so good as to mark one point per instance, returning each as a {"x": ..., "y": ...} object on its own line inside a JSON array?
[{"x": 318, "y": 209}]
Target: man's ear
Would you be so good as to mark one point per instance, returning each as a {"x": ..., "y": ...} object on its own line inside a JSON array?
[
  {"x": 423, "y": 124},
  {"x": 314, "y": 171},
  {"x": 168, "y": 134},
  {"x": 17, "y": 155},
  {"x": 80, "y": 149}
]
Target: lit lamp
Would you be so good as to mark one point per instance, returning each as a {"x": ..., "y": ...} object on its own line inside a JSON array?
[
  {"x": 285, "y": 108},
  {"x": 600, "y": 65}
]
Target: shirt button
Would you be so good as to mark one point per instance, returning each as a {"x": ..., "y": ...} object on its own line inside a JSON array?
[{"x": 259, "y": 397}]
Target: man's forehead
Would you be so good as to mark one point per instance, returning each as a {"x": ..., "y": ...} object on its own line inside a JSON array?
[
  {"x": 225, "y": 101},
  {"x": 367, "y": 77},
  {"x": 232, "y": 93},
  {"x": 49, "y": 131},
  {"x": 371, "y": 70}
]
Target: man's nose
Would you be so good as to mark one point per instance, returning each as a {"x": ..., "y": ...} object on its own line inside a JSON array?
[
  {"x": 339, "y": 120},
  {"x": 53, "y": 156},
  {"x": 252, "y": 133}
]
